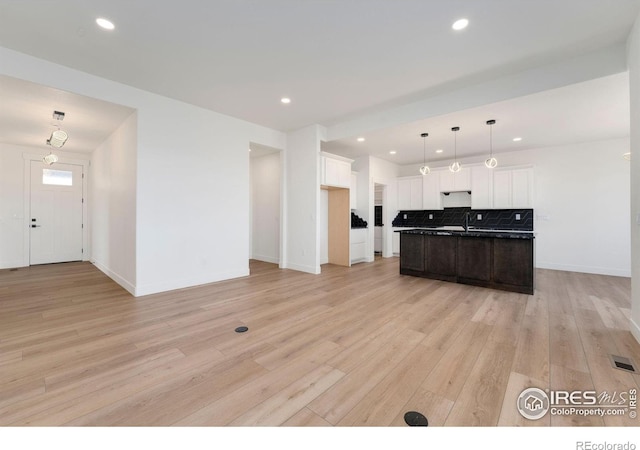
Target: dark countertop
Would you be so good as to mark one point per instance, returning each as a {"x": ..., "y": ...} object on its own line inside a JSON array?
[{"x": 501, "y": 234}]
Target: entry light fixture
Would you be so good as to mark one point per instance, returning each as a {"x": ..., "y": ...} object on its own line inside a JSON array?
[
  {"x": 424, "y": 170},
  {"x": 627, "y": 156},
  {"x": 491, "y": 162},
  {"x": 50, "y": 159},
  {"x": 455, "y": 165},
  {"x": 58, "y": 138}
]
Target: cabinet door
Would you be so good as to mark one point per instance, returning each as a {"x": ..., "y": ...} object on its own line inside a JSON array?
[
  {"x": 447, "y": 182},
  {"x": 336, "y": 173},
  {"x": 462, "y": 179},
  {"x": 522, "y": 188},
  {"x": 344, "y": 174},
  {"x": 502, "y": 189},
  {"x": 412, "y": 252},
  {"x": 404, "y": 194},
  {"x": 513, "y": 262},
  {"x": 431, "y": 197},
  {"x": 441, "y": 255},
  {"x": 416, "y": 193},
  {"x": 474, "y": 258},
  {"x": 395, "y": 243},
  {"x": 481, "y": 187}
]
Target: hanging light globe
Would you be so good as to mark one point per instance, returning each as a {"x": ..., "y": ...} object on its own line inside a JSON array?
[
  {"x": 491, "y": 163},
  {"x": 454, "y": 167}
]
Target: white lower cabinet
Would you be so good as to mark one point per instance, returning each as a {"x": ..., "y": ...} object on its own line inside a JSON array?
[{"x": 358, "y": 244}]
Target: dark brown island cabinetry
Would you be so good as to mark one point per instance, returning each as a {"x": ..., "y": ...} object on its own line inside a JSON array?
[{"x": 495, "y": 260}]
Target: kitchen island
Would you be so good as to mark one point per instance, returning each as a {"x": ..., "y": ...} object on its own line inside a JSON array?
[{"x": 498, "y": 259}]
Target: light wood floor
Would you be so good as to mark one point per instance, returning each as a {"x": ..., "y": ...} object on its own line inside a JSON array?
[{"x": 356, "y": 346}]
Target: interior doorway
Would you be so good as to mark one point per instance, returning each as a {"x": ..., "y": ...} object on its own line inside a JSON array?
[
  {"x": 56, "y": 205},
  {"x": 378, "y": 214},
  {"x": 265, "y": 199}
]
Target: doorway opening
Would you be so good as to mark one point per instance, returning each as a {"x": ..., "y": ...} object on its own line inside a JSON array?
[
  {"x": 378, "y": 205},
  {"x": 265, "y": 204}
]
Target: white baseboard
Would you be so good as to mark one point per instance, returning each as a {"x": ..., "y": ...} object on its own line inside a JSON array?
[
  {"x": 303, "y": 268},
  {"x": 130, "y": 287},
  {"x": 190, "y": 282},
  {"x": 269, "y": 259},
  {"x": 12, "y": 264},
  {"x": 635, "y": 330},
  {"x": 584, "y": 269}
]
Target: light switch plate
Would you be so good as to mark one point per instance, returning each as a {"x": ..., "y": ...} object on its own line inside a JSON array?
[
  {"x": 430, "y": 216},
  {"x": 517, "y": 216},
  {"x": 405, "y": 216},
  {"x": 479, "y": 216}
]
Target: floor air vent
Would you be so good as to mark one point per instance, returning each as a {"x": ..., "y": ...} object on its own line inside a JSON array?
[
  {"x": 622, "y": 363},
  {"x": 415, "y": 419}
]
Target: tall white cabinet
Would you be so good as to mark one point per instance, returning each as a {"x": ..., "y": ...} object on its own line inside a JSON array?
[{"x": 513, "y": 188}]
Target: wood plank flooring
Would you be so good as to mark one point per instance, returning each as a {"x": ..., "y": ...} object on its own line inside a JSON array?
[{"x": 353, "y": 346}]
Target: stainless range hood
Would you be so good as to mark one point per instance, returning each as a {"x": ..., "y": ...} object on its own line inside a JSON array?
[{"x": 458, "y": 199}]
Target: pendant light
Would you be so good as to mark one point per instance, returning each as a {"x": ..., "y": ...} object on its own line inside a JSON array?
[
  {"x": 455, "y": 165},
  {"x": 50, "y": 159},
  {"x": 491, "y": 162},
  {"x": 424, "y": 170}
]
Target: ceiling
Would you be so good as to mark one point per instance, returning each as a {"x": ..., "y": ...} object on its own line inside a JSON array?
[
  {"x": 589, "y": 111},
  {"x": 334, "y": 59},
  {"x": 26, "y": 116}
]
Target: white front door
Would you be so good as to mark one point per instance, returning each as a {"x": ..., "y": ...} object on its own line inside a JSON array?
[{"x": 56, "y": 213}]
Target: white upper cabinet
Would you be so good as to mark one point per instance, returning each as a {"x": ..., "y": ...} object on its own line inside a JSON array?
[
  {"x": 410, "y": 193},
  {"x": 335, "y": 170},
  {"x": 452, "y": 182},
  {"x": 431, "y": 197},
  {"x": 481, "y": 187},
  {"x": 513, "y": 188},
  {"x": 522, "y": 188}
]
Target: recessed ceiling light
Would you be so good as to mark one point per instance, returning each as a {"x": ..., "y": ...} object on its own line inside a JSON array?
[
  {"x": 104, "y": 23},
  {"x": 285, "y": 100},
  {"x": 517, "y": 139},
  {"x": 460, "y": 24},
  {"x": 439, "y": 150},
  {"x": 392, "y": 152},
  {"x": 360, "y": 139}
]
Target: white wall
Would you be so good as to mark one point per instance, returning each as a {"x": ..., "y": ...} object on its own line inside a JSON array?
[
  {"x": 265, "y": 207},
  {"x": 633, "y": 59},
  {"x": 14, "y": 231},
  {"x": 112, "y": 190},
  {"x": 13, "y": 227},
  {"x": 192, "y": 202},
  {"x": 583, "y": 189},
  {"x": 303, "y": 199}
]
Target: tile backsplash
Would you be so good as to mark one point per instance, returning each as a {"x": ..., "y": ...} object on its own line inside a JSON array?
[{"x": 491, "y": 219}]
